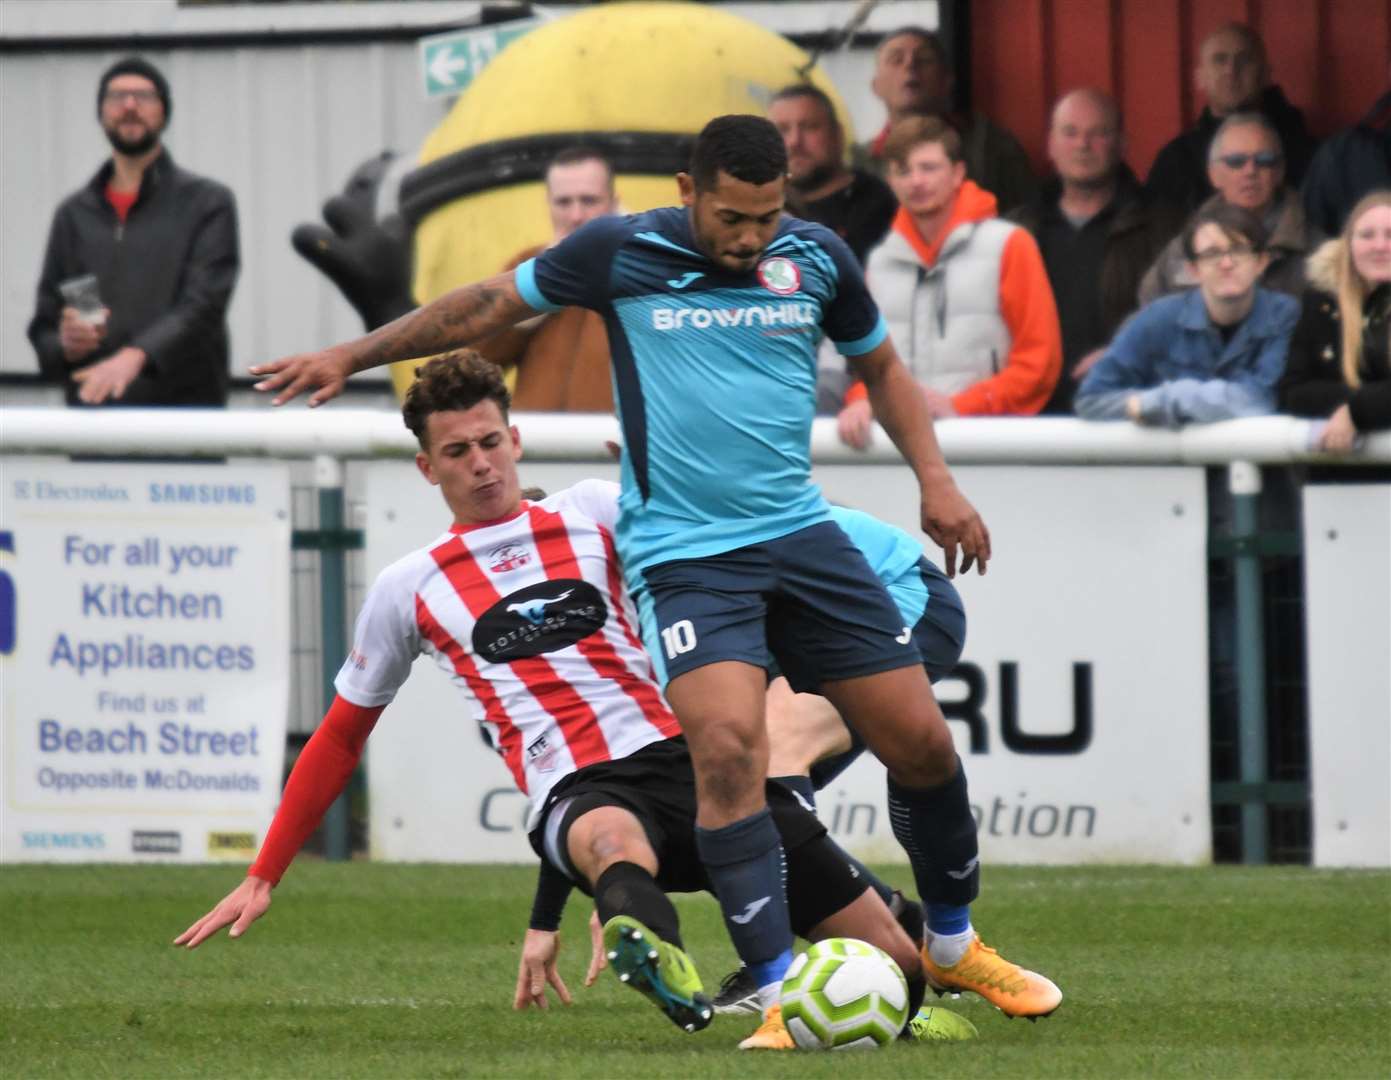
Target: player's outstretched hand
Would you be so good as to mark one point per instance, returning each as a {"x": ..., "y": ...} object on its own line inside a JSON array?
[
  {"x": 598, "y": 958},
  {"x": 241, "y": 907},
  {"x": 537, "y": 970},
  {"x": 323, "y": 372},
  {"x": 952, "y": 521}
]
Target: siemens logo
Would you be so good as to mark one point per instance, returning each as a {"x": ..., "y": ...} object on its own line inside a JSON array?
[
  {"x": 69, "y": 841},
  {"x": 788, "y": 314}
]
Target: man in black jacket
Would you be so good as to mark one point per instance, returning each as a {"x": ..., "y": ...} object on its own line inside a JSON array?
[
  {"x": 1233, "y": 76},
  {"x": 854, "y": 204},
  {"x": 161, "y": 244},
  {"x": 1097, "y": 230}
]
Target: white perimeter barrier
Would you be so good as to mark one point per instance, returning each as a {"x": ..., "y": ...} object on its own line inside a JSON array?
[
  {"x": 364, "y": 433},
  {"x": 1081, "y": 713}
]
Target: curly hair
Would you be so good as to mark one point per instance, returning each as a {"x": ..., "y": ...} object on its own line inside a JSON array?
[
  {"x": 452, "y": 381},
  {"x": 745, "y": 147}
]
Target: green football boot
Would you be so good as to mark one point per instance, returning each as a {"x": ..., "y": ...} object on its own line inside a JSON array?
[
  {"x": 659, "y": 969},
  {"x": 939, "y": 1025}
]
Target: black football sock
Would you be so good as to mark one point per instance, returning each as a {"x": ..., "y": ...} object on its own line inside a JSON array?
[
  {"x": 802, "y": 787},
  {"x": 917, "y": 990},
  {"x": 627, "y": 889}
]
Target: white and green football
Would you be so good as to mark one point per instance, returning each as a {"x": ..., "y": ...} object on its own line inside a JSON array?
[{"x": 843, "y": 993}]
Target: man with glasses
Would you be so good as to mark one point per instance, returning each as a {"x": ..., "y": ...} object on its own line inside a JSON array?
[
  {"x": 1212, "y": 353},
  {"x": 1246, "y": 165},
  {"x": 140, "y": 265}
]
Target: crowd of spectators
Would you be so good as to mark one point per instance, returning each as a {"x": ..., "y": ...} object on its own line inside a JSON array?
[
  {"x": 1211, "y": 290},
  {"x": 1173, "y": 301}
]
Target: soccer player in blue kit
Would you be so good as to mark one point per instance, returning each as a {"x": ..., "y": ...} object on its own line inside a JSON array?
[{"x": 714, "y": 312}]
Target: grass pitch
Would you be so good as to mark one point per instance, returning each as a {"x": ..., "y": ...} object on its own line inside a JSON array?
[{"x": 365, "y": 970}]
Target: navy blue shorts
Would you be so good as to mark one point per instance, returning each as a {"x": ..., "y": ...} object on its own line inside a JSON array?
[
  {"x": 808, "y": 600},
  {"x": 940, "y": 635},
  {"x": 940, "y": 632}
]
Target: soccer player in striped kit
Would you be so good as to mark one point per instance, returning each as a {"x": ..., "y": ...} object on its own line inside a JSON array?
[{"x": 523, "y": 604}]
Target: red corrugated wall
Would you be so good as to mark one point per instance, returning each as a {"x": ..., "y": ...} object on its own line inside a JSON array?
[{"x": 1330, "y": 56}]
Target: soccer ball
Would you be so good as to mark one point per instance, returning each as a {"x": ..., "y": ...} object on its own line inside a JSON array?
[{"x": 843, "y": 993}]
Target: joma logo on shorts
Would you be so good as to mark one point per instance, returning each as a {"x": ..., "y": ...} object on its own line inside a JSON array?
[{"x": 788, "y": 314}]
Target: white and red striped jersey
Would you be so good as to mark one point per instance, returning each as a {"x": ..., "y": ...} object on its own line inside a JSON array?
[{"x": 530, "y": 619}]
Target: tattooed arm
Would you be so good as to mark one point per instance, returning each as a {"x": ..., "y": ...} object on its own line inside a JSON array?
[{"x": 457, "y": 318}]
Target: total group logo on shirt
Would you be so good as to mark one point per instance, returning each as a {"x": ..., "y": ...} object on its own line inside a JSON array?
[
  {"x": 539, "y": 619},
  {"x": 780, "y": 275}
]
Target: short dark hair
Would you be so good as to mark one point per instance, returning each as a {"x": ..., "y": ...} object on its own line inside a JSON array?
[
  {"x": 914, "y": 131},
  {"x": 930, "y": 38},
  {"x": 573, "y": 155},
  {"x": 452, "y": 381},
  {"x": 745, "y": 147},
  {"x": 807, "y": 90},
  {"x": 1236, "y": 224}
]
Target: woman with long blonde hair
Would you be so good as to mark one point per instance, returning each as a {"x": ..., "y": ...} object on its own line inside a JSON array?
[{"x": 1340, "y": 355}]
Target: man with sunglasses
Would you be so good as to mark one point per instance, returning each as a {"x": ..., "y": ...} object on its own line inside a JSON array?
[
  {"x": 1211, "y": 353},
  {"x": 1246, "y": 165},
  {"x": 140, "y": 265},
  {"x": 1232, "y": 75}
]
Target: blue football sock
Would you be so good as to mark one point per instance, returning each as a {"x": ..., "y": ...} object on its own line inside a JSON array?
[
  {"x": 937, "y": 830},
  {"x": 948, "y": 919},
  {"x": 745, "y": 864}
]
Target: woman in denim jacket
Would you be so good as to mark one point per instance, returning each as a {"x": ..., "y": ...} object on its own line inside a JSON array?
[{"x": 1212, "y": 353}]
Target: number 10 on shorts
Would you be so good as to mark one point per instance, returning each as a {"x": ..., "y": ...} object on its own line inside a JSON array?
[{"x": 678, "y": 638}]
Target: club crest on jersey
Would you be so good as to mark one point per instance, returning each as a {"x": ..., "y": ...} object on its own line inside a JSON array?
[
  {"x": 508, "y": 556},
  {"x": 780, "y": 275},
  {"x": 541, "y": 755},
  {"x": 540, "y": 618}
]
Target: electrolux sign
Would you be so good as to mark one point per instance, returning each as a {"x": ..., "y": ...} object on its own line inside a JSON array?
[{"x": 144, "y": 637}]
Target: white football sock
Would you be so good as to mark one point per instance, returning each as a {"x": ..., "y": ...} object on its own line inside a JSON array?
[
  {"x": 947, "y": 950},
  {"x": 768, "y": 996}
]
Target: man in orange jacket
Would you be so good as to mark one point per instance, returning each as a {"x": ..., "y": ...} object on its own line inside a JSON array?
[{"x": 965, "y": 294}]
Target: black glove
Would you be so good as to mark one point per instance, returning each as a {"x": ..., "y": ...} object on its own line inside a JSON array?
[{"x": 368, "y": 259}]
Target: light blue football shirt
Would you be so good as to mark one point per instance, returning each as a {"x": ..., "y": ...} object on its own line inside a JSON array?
[{"x": 714, "y": 373}]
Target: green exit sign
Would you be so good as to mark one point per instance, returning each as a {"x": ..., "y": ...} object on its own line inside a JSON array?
[{"x": 449, "y": 62}]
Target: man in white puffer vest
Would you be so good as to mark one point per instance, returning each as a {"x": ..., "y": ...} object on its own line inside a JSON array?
[{"x": 965, "y": 294}]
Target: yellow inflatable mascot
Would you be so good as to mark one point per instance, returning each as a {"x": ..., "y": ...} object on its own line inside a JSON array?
[{"x": 635, "y": 80}]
